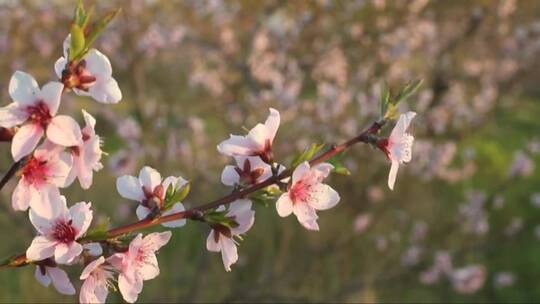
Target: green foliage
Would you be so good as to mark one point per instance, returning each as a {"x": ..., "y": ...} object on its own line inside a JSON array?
[
  {"x": 306, "y": 155},
  {"x": 389, "y": 103},
  {"x": 215, "y": 217},
  {"x": 99, "y": 231},
  {"x": 265, "y": 196},
  {"x": 339, "y": 168},
  {"x": 174, "y": 195}
]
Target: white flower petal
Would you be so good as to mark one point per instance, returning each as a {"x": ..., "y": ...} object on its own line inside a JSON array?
[
  {"x": 300, "y": 171},
  {"x": 150, "y": 178},
  {"x": 61, "y": 281},
  {"x": 211, "y": 244},
  {"x": 23, "y": 88},
  {"x": 284, "y": 205},
  {"x": 402, "y": 125},
  {"x": 272, "y": 123},
  {"x": 40, "y": 249},
  {"x": 43, "y": 279},
  {"x": 323, "y": 197},
  {"x": 66, "y": 253},
  {"x": 106, "y": 91},
  {"x": 81, "y": 217},
  {"x": 51, "y": 94},
  {"x": 130, "y": 287},
  {"x": 142, "y": 212},
  {"x": 306, "y": 215},
  {"x": 12, "y": 115},
  {"x": 25, "y": 140},
  {"x": 65, "y": 131},
  {"x": 93, "y": 249},
  {"x": 130, "y": 187},
  {"x": 149, "y": 269},
  {"x": 393, "y": 174},
  {"x": 59, "y": 66},
  {"x": 98, "y": 64},
  {"x": 236, "y": 145},
  {"x": 91, "y": 267},
  {"x": 20, "y": 198},
  {"x": 154, "y": 241},
  {"x": 229, "y": 253},
  {"x": 229, "y": 176}
]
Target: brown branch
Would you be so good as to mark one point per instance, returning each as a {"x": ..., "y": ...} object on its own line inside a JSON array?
[
  {"x": 11, "y": 172},
  {"x": 365, "y": 136}
]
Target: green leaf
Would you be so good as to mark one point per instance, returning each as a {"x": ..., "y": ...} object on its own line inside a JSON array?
[
  {"x": 384, "y": 99},
  {"x": 339, "y": 168},
  {"x": 265, "y": 196},
  {"x": 80, "y": 14},
  {"x": 220, "y": 218},
  {"x": 99, "y": 232},
  {"x": 306, "y": 155},
  {"x": 77, "y": 42},
  {"x": 99, "y": 27},
  {"x": 408, "y": 90},
  {"x": 174, "y": 196}
]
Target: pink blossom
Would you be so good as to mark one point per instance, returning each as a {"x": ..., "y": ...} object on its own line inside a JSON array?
[
  {"x": 248, "y": 171},
  {"x": 149, "y": 190},
  {"x": 47, "y": 274},
  {"x": 41, "y": 176},
  {"x": 221, "y": 238},
  {"x": 469, "y": 279},
  {"x": 35, "y": 109},
  {"x": 307, "y": 194},
  {"x": 139, "y": 263},
  {"x": 97, "y": 278},
  {"x": 59, "y": 231},
  {"x": 89, "y": 76},
  {"x": 398, "y": 147},
  {"x": 86, "y": 154},
  {"x": 258, "y": 141}
]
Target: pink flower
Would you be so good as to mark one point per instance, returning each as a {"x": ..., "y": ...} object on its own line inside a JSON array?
[
  {"x": 221, "y": 238},
  {"x": 41, "y": 176},
  {"x": 469, "y": 279},
  {"x": 138, "y": 264},
  {"x": 97, "y": 280},
  {"x": 35, "y": 110},
  {"x": 398, "y": 147},
  {"x": 257, "y": 142},
  {"x": 149, "y": 190},
  {"x": 248, "y": 171},
  {"x": 46, "y": 274},
  {"x": 86, "y": 154},
  {"x": 307, "y": 194},
  {"x": 59, "y": 231},
  {"x": 89, "y": 76}
]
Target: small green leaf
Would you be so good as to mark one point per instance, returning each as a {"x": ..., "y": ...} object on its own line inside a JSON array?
[
  {"x": 339, "y": 168},
  {"x": 174, "y": 196},
  {"x": 80, "y": 14},
  {"x": 306, "y": 155},
  {"x": 77, "y": 42},
  {"x": 99, "y": 232},
  {"x": 99, "y": 27},
  {"x": 408, "y": 90}
]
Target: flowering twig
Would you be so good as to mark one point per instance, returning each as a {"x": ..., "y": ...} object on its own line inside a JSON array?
[{"x": 366, "y": 136}]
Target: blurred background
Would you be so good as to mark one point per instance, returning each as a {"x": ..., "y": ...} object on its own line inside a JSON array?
[{"x": 463, "y": 223}]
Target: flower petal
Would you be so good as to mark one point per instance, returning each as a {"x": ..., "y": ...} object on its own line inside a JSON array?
[
  {"x": 306, "y": 216},
  {"x": 323, "y": 197},
  {"x": 236, "y": 145},
  {"x": 393, "y": 174},
  {"x": 154, "y": 241},
  {"x": 106, "y": 91},
  {"x": 272, "y": 123},
  {"x": 98, "y": 64},
  {"x": 284, "y": 205},
  {"x": 43, "y": 279},
  {"x": 402, "y": 125},
  {"x": 142, "y": 212},
  {"x": 91, "y": 267},
  {"x": 300, "y": 171},
  {"x": 23, "y": 88},
  {"x": 40, "y": 249},
  {"x": 130, "y": 187},
  {"x": 21, "y": 196},
  {"x": 81, "y": 217},
  {"x": 211, "y": 244},
  {"x": 59, "y": 66},
  {"x": 229, "y": 253},
  {"x": 61, "y": 281},
  {"x": 150, "y": 178},
  {"x": 65, "y": 131},
  {"x": 66, "y": 253},
  {"x": 229, "y": 176},
  {"x": 130, "y": 287},
  {"x": 12, "y": 115},
  {"x": 93, "y": 249},
  {"x": 25, "y": 140},
  {"x": 50, "y": 94}
]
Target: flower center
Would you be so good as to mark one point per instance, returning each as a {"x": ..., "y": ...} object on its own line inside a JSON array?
[
  {"x": 75, "y": 75},
  {"x": 39, "y": 114},
  {"x": 35, "y": 171},
  {"x": 64, "y": 232},
  {"x": 300, "y": 192},
  {"x": 248, "y": 176}
]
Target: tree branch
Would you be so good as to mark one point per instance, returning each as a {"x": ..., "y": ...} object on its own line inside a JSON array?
[{"x": 366, "y": 136}]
